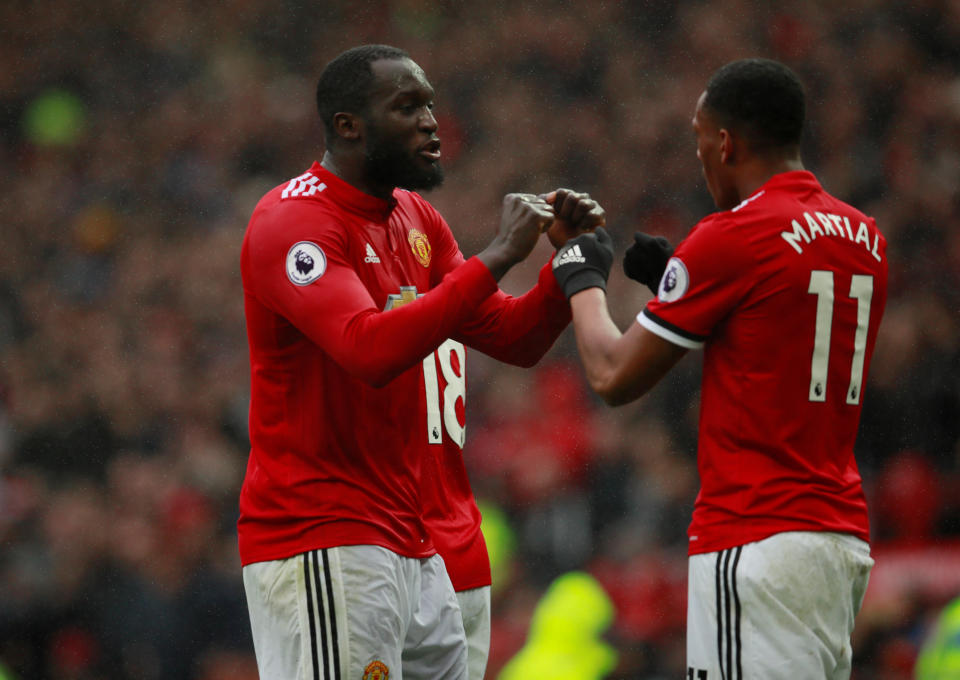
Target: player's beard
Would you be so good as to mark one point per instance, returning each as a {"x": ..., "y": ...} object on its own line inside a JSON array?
[{"x": 388, "y": 163}]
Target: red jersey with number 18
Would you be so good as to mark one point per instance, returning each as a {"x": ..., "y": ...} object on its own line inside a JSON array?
[
  {"x": 785, "y": 292},
  {"x": 356, "y": 309}
]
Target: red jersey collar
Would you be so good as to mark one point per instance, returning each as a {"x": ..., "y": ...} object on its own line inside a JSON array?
[
  {"x": 793, "y": 179},
  {"x": 351, "y": 197}
]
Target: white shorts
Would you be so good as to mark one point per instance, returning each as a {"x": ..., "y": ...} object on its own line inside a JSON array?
[
  {"x": 355, "y": 612},
  {"x": 475, "y": 610},
  {"x": 780, "y": 608}
]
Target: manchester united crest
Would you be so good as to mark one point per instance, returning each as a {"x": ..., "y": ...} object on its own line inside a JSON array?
[
  {"x": 376, "y": 670},
  {"x": 420, "y": 246}
]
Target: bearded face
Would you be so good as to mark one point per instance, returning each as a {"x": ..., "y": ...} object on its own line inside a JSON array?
[{"x": 389, "y": 163}]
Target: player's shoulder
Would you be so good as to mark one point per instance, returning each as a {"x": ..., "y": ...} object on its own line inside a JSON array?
[
  {"x": 411, "y": 200},
  {"x": 280, "y": 223},
  {"x": 418, "y": 210},
  {"x": 756, "y": 206},
  {"x": 838, "y": 205},
  {"x": 720, "y": 237},
  {"x": 722, "y": 225},
  {"x": 304, "y": 197},
  {"x": 759, "y": 206},
  {"x": 306, "y": 191},
  {"x": 800, "y": 190}
]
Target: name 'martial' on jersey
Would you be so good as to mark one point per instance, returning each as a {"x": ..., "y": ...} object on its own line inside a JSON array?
[{"x": 828, "y": 224}]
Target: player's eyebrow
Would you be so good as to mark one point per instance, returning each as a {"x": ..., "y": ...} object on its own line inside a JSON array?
[{"x": 414, "y": 93}]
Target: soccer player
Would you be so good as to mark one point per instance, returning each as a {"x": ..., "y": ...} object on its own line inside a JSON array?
[
  {"x": 357, "y": 300},
  {"x": 784, "y": 288}
]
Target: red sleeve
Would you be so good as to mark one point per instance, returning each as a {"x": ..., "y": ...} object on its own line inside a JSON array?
[
  {"x": 515, "y": 330},
  {"x": 701, "y": 284},
  {"x": 336, "y": 312},
  {"x": 519, "y": 330}
]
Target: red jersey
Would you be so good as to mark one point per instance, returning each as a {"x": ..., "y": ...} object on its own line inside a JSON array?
[
  {"x": 786, "y": 292},
  {"x": 356, "y": 309}
]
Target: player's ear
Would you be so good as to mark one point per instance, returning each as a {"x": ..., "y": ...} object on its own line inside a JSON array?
[
  {"x": 347, "y": 125},
  {"x": 727, "y": 147}
]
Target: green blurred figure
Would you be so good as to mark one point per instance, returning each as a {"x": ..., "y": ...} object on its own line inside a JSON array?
[
  {"x": 564, "y": 638},
  {"x": 501, "y": 542},
  {"x": 940, "y": 657},
  {"x": 55, "y": 118}
]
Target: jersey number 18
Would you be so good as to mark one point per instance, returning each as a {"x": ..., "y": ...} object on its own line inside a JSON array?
[{"x": 456, "y": 388}]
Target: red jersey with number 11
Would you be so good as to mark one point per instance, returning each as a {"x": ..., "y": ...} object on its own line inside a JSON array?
[{"x": 785, "y": 292}]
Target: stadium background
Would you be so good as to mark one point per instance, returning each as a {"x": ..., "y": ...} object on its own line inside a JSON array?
[{"x": 136, "y": 138}]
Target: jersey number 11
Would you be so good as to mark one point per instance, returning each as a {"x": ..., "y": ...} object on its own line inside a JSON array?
[{"x": 861, "y": 289}]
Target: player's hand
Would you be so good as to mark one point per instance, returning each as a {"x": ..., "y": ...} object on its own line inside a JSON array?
[
  {"x": 523, "y": 219},
  {"x": 646, "y": 259},
  {"x": 584, "y": 262},
  {"x": 575, "y": 213}
]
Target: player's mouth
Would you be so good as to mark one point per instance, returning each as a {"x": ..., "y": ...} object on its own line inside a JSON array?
[{"x": 430, "y": 150}]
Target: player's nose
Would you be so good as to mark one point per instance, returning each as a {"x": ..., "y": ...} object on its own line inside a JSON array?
[{"x": 428, "y": 121}]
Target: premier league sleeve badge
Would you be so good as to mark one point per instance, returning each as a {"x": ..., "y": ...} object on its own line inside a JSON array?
[{"x": 305, "y": 263}]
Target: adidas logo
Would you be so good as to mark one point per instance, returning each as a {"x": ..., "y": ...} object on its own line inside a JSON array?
[
  {"x": 371, "y": 255},
  {"x": 572, "y": 255}
]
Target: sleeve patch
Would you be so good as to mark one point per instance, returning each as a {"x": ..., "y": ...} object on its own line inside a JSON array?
[
  {"x": 675, "y": 281},
  {"x": 305, "y": 263}
]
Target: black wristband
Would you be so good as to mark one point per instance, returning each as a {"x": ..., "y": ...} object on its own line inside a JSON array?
[
  {"x": 584, "y": 262},
  {"x": 583, "y": 279}
]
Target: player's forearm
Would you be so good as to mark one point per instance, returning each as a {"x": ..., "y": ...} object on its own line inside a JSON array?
[
  {"x": 620, "y": 367},
  {"x": 377, "y": 347},
  {"x": 520, "y": 330},
  {"x": 497, "y": 259},
  {"x": 597, "y": 342},
  {"x": 519, "y": 334}
]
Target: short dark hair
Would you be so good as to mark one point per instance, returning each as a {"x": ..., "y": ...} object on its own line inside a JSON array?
[
  {"x": 345, "y": 82},
  {"x": 761, "y": 99}
]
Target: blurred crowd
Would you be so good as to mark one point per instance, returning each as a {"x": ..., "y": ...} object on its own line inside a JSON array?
[{"x": 135, "y": 139}]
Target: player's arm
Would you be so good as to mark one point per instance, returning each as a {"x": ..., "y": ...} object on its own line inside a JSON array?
[
  {"x": 336, "y": 312},
  {"x": 377, "y": 346},
  {"x": 520, "y": 330},
  {"x": 620, "y": 367}
]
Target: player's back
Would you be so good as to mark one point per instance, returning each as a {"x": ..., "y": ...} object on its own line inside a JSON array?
[{"x": 784, "y": 369}]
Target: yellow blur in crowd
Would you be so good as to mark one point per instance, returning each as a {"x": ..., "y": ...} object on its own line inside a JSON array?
[
  {"x": 940, "y": 657},
  {"x": 564, "y": 641}
]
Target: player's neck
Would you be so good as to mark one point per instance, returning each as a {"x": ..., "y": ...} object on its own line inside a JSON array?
[
  {"x": 351, "y": 169},
  {"x": 754, "y": 175}
]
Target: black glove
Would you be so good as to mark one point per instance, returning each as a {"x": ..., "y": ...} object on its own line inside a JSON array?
[
  {"x": 584, "y": 262},
  {"x": 646, "y": 259}
]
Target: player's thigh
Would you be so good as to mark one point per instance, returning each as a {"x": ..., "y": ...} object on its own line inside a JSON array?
[
  {"x": 778, "y": 608},
  {"x": 276, "y": 604},
  {"x": 333, "y": 613},
  {"x": 475, "y": 611},
  {"x": 435, "y": 647}
]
